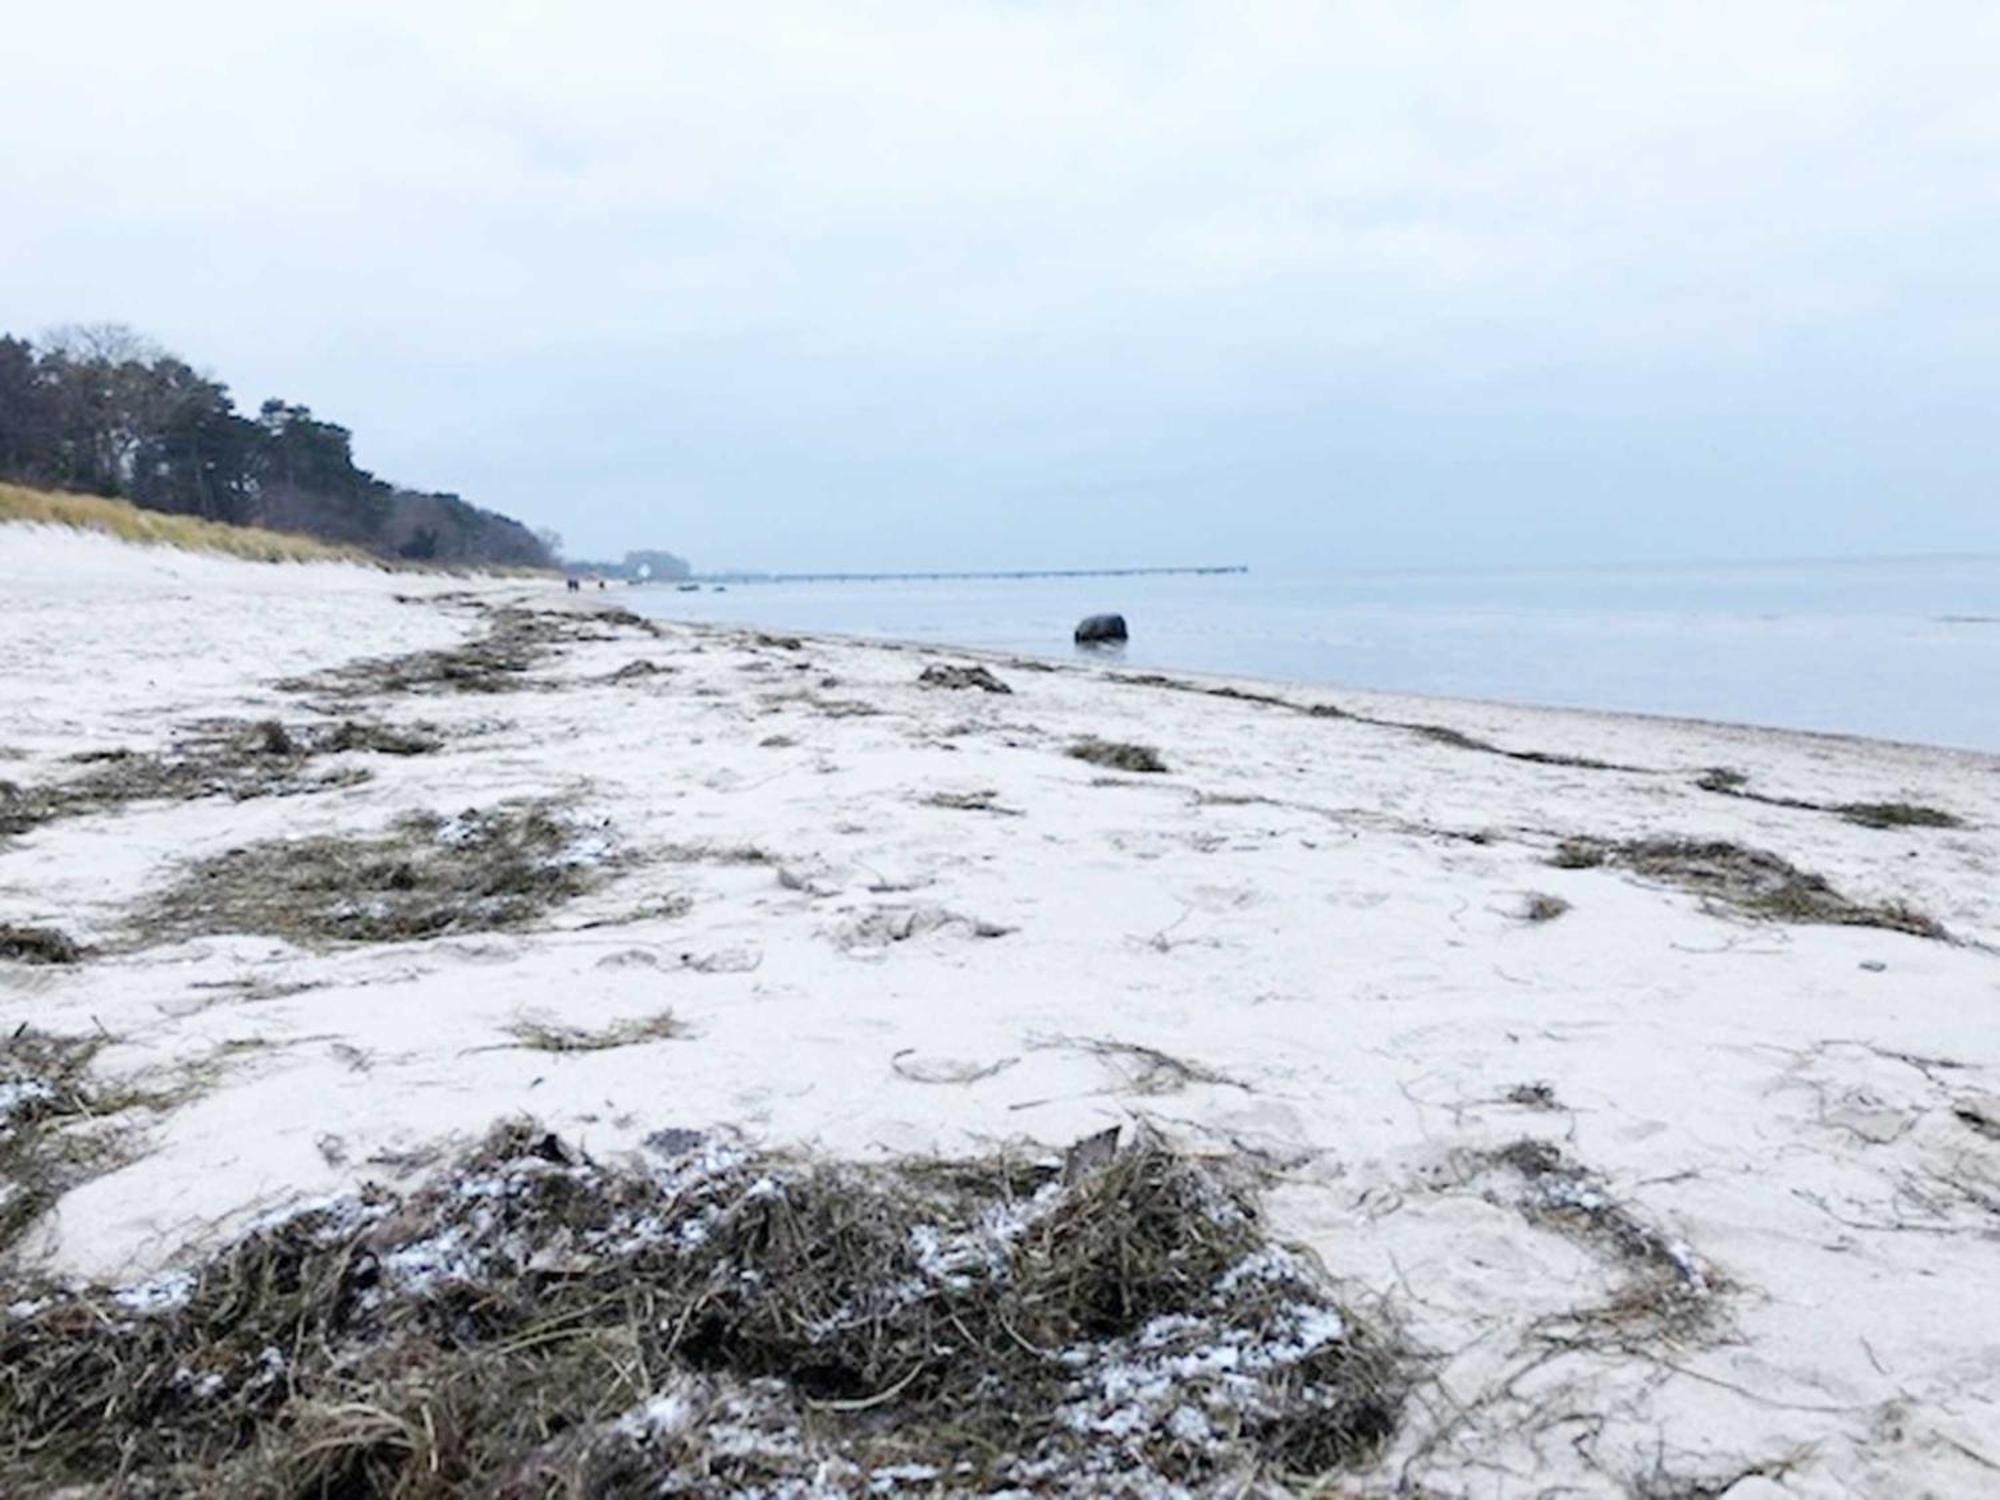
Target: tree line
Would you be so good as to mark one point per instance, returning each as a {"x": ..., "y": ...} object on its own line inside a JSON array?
[{"x": 104, "y": 411}]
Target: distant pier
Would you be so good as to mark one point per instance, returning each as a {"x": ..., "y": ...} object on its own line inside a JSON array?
[{"x": 947, "y": 577}]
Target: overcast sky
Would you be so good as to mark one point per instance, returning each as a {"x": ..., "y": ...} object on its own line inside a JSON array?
[{"x": 1006, "y": 284}]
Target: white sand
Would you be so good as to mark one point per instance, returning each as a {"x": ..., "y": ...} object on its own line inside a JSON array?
[{"x": 1291, "y": 906}]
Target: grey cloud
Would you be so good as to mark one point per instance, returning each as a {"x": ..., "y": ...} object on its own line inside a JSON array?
[{"x": 939, "y": 284}]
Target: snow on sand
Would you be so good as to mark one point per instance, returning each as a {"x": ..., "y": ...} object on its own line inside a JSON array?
[{"x": 890, "y": 916}]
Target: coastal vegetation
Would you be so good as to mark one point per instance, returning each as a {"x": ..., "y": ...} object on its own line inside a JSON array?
[
  {"x": 103, "y": 411},
  {"x": 127, "y": 522}
]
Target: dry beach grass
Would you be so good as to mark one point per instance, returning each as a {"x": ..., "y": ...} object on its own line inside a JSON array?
[{"x": 127, "y": 522}]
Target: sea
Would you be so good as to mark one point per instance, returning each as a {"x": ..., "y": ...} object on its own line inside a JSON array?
[{"x": 1891, "y": 648}]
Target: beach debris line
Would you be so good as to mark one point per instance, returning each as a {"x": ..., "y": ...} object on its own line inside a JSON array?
[
  {"x": 516, "y": 641},
  {"x": 1897, "y": 815},
  {"x": 844, "y": 708},
  {"x": 716, "y": 1322},
  {"x": 1753, "y": 882},
  {"x": 1540, "y": 1094},
  {"x": 1981, "y": 1112},
  {"x": 1726, "y": 782},
  {"x": 638, "y": 671},
  {"x": 1141, "y": 1069},
  {"x": 58, "y": 1125},
  {"x": 37, "y": 945},
  {"x": 878, "y": 928},
  {"x": 944, "y": 675},
  {"x": 546, "y": 1034},
  {"x": 423, "y": 876},
  {"x": 1439, "y": 734},
  {"x": 1117, "y": 756},
  {"x": 1458, "y": 739},
  {"x": 984, "y": 799},
  {"x": 1540, "y": 906},
  {"x": 1660, "y": 1286},
  {"x": 713, "y": 854},
  {"x": 230, "y": 758}
]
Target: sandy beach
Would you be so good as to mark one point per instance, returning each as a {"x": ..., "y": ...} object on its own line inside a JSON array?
[{"x": 1519, "y": 1017}]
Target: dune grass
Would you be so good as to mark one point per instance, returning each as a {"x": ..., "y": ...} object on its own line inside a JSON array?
[{"x": 154, "y": 528}]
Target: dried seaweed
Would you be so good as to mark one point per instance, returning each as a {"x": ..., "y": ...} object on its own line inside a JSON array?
[
  {"x": 425, "y": 876},
  {"x": 721, "y": 1324},
  {"x": 1753, "y": 882},
  {"x": 1117, "y": 756}
]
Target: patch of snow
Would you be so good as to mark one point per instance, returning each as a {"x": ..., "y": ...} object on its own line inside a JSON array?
[
  {"x": 18, "y": 1097},
  {"x": 663, "y": 1416},
  {"x": 161, "y": 1294}
]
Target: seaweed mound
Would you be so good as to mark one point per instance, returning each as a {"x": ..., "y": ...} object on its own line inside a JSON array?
[
  {"x": 718, "y": 1323},
  {"x": 223, "y": 758},
  {"x": 1117, "y": 756},
  {"x": 486, "y": 868},
  {"x": 1754, "y": 882}
]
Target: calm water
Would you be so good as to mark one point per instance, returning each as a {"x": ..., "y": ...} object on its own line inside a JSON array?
[{"x": 1899, "y": 649}]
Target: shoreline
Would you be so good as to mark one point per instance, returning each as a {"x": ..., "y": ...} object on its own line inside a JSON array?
[
  {"x": 1377, "y": 698},
  {"x": 1467, "y": 987},
  {"x": 1798, "y": 655}
]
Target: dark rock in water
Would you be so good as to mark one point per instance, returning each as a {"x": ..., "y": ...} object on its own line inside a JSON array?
[
  {"x": 1099, "y": 628},
  {"x": 940, "y": 675}
]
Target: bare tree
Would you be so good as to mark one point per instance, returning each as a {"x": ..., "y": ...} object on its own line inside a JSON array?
[{"x": 101, "y": 343}]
